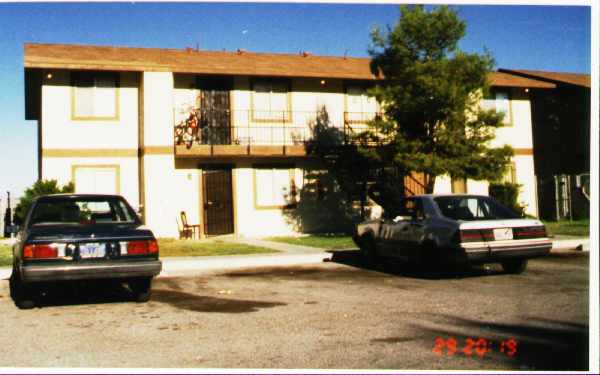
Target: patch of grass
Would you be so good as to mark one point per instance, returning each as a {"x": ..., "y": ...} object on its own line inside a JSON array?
[
  {"x": 578, "y": 228},
  {"x": 170, "y": 247},
  {"x": 5, "y": 255},
  {"x": 323, "y": 241}
]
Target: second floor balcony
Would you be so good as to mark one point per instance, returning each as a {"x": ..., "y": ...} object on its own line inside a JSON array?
[{"x": 207, "y": 133}]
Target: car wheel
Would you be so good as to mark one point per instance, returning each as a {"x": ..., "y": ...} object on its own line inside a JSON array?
[
  {"x": 141, "y": 288},
  {"x": 369, "y": 249},
  {"x": 20, "y": 293},
  {"x": 516, "y": 266}
]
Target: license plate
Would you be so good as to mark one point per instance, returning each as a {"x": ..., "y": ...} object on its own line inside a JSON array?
[
  {"x": 92, "y": 250},
  {"x": 503, "y": 234}
]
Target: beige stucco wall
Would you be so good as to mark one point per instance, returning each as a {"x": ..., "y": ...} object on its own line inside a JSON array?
[
  {"x": 89, "y": 139},
  {"x": 168, "y": 192},
  {"x": 525, "y": 176},
  {"x": 60, "y": 131},
  {"x": 518, "y": 134},
  {"x": 158, "y": 108},
  {"x": 169, "y": 189}
]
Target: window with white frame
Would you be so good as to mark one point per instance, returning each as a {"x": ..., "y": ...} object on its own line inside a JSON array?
[
  {"x": 510, "y": 173},
  {"x": 500, "y": 101},
  {"x": 359, "y": 106},
  {"x": 274, "y": 186},
  {"x": 95, "y": 95},
  {"x": 96, "y": 179},
  {"x": 270, "y": 100}
]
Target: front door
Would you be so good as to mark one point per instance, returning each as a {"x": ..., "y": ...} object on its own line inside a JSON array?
[
  {"x": 218, "y": 202},
  {"x": 215, "y": 113}
]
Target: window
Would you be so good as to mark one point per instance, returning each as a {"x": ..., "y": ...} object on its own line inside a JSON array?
[
  {"x": 459, "y": 185},
  {"x": 95, "y": 96},
  {"x": 359, "y": 106},
  {"x": 500, "y": 101},
  {"x": 274, "y": 187},
  {"x": 96, "y": 179},
  {"x": 270, "y": 101},
  {"x": 510, "y": 173}
]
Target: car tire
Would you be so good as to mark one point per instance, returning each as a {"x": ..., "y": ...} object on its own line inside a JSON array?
[
  {"x": 21, "y": 293},
  {"x": 515, "y": 266},
  {"x": 369, "y": 249},
  {"x": 141, "y": 288}
]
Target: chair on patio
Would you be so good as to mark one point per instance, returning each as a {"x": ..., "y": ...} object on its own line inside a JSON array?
[{"x": 189, "y": 230}]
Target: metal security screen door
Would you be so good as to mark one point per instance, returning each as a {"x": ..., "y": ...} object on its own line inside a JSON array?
[
  {"x": 218, "y": 202},
  {"x": 215, "y": 113}
]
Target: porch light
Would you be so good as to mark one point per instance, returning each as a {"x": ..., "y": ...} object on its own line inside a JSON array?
[
  {"x": 526, "y": 90},
  {"x": 49, "y": 75},
  {"x": 323, "y": 82}
]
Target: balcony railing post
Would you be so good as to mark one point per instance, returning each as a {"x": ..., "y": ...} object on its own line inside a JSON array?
[{"x": 283, "y": 126}]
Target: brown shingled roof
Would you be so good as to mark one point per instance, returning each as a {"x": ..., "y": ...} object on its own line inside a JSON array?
[
  {"x": 192, "y": 61},
  {"x": 577, "y": 79},
  {"x": 215, "y": 62},
  {"x": 511, "y": 80}
]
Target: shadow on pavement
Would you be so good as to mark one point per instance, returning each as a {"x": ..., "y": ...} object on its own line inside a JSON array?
[
  {"x": 354, "y": 258},
  {"x": 541, "y": 344},
  {"x": 200, "y": 303}
]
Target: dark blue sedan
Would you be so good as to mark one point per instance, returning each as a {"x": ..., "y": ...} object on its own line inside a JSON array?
[{"x": 82, "y": 237}]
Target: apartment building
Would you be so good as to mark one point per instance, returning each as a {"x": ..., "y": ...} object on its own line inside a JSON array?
[{"x": 217, "y": 135}]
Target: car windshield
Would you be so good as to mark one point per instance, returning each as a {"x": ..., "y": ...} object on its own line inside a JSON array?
[
  {"x": 82, "y": 211},
  {"x": 473, "y": 208}
]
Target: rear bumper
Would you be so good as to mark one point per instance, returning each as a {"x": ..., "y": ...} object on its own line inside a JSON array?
[
  {"x": 95, "y": 270},
  {"x": 507, "y": 251}
]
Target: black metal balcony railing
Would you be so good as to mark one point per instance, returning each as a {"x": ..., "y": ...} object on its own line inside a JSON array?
[{"x": 248, "y": 127}]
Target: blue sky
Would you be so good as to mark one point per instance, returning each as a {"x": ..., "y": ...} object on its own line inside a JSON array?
[{"x": 527, "y": 37}]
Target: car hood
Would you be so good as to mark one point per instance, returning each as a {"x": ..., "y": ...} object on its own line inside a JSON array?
[
  {"x": 503, "y": 223},
  {"x": 82, "y": 232}
]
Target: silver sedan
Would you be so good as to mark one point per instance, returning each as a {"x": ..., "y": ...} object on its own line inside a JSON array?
[{"x": 454, "y": 229}]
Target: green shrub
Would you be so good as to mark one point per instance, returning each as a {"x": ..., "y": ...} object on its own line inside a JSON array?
[
  {"x": 507, "y": 194},
  {"x": 40, "y": 187}
]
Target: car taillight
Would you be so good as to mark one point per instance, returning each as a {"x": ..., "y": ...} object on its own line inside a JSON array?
[
  {"x": 40, "y": 251},
  {"x": 476, "y": 235},
  {"x": 530, "y": 232},
  {"x": 140, "y": 247},
  {"x": 152, "y": 247}
]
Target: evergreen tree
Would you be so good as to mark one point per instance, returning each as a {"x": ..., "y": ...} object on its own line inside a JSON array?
[
  {"x": 430, "y": 92},
  {"x": 40, "y": 187}
]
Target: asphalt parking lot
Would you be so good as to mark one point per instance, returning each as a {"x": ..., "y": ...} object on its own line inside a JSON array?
[{"x": 335, "y": 315}]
